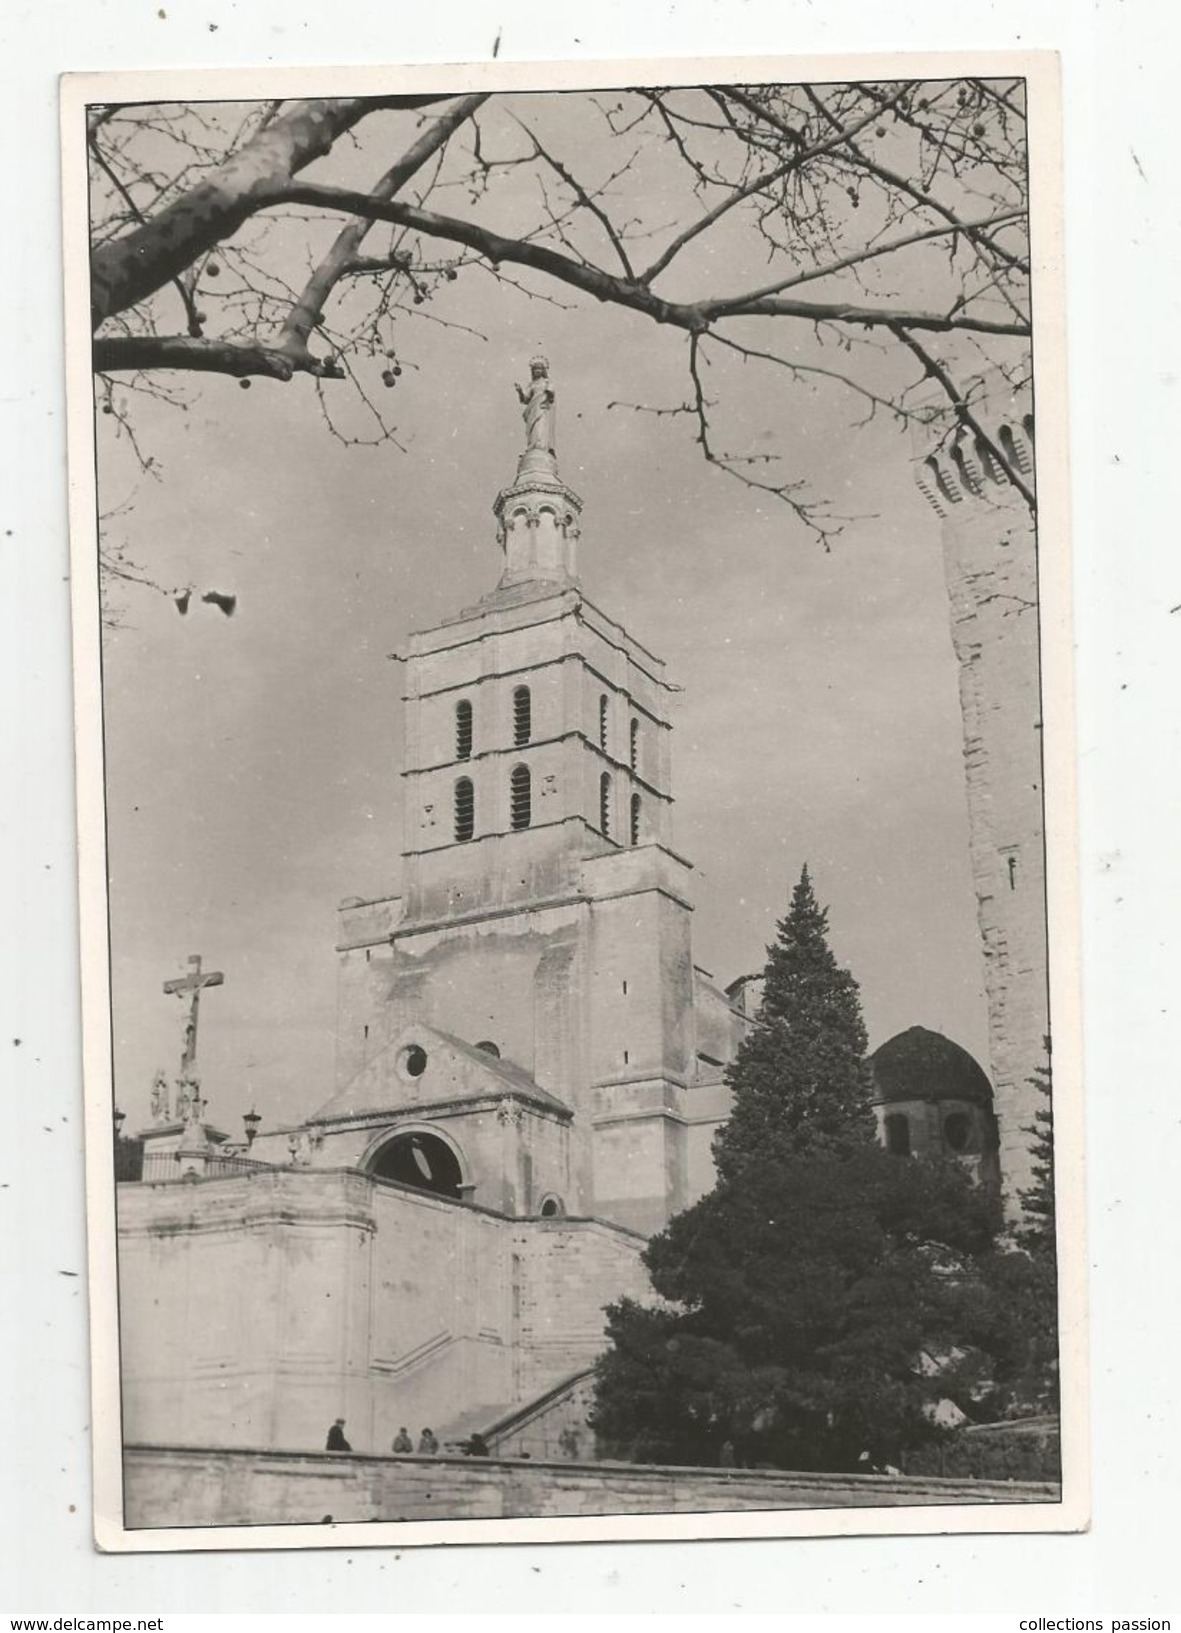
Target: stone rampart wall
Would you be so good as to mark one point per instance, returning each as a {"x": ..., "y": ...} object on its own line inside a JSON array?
[{"x": 167, "y": 1486}]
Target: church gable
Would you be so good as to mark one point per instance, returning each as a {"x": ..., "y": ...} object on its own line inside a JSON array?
[{"x": 423, "y": 1067}]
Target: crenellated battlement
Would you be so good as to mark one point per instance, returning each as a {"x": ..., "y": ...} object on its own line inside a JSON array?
[{"x": 974, "y": 466}]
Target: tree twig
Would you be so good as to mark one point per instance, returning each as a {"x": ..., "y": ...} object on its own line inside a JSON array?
[{"x": 307, "y": 309}]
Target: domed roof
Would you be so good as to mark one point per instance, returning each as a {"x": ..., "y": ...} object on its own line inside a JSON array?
[{"x": 921, "y": 1065}]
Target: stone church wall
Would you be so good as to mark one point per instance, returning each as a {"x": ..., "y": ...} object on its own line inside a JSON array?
[
  {"x": 256, "y": 1310},
  {"x": 571, "y": 1269},
  {"x": 708, "y": 1107},
  {"x": 478, "y": 981}
]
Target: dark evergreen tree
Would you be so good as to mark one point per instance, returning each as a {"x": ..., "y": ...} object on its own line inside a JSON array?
[
  {"x": 129, "y": 1157},
  {"x": 819, "y": 1300},
  {"x": 800, "y": 1079},
  {"x": 1021, "y": 1281},
  {"x": 1037, "y": 1229}
]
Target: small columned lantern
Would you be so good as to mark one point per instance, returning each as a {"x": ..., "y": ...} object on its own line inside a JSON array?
[{"x": 251, "y": 1120}]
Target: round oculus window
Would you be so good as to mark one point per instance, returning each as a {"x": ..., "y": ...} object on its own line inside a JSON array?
[{"x": 412, "y": 1060}]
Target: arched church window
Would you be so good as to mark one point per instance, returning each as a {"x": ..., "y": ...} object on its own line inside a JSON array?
[
  {"x": 520, "y": 797},
  {"x": 463, "y": 729},
  {"x": 604, "y": 706},
  {"x": 634, "y": 745},
  {"x": 957, "y": 1130},
  {"x": 635, "y": 819},
  {"x": 522, "y": 716},
  {"x": 898, "y": 1134},
  {"x": 605, "y": 804},
  {"x": 421, "y": 1160},
  {"x": 465, "y": 809}
]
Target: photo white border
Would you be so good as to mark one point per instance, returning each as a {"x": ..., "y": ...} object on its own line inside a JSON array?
[{"x": 1040, "y": 69}]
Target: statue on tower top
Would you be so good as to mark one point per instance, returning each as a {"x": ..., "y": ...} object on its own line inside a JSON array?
[{"x": 538, "y": 411}]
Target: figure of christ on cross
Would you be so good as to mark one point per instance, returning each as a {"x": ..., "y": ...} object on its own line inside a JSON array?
[{"x": 192, "y": 983}]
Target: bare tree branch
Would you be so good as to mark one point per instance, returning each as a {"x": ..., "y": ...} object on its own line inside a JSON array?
[
  {"x": 903, "y": 184},
  {"x": 118, "y": 352},
  {"x": 857, "y": 257},
  {"x": 758, "y": 184},
  {"x": 592, "y": 280},
  {"x": 966, "y": 417},
  {"x": 117, "y": 183},
  {"x": 310, "y": 305},
  {"x": 815, "y": 517},
  {"x": 881, "y": 189},
  {"x": 143, "y": 260},
  {"x": 584, "y": 198}
]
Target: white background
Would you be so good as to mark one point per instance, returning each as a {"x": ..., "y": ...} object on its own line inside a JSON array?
[{"x": 1120, "y": 63}]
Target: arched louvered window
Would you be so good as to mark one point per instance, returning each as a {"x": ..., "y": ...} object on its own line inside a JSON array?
[
  {"x": 635, "y": 745},
  {"x": 605, "y": 805},
  {"x": 898, "y": 1134},
  {"x": 463, "y": 730},
  {"x": 522, "y": 716},
  {"x": 635, "y": 819},
  {"x": 603, "y": 707},
  {"x": 465, "y": 809},
  {"x": 520, "y": 797}
]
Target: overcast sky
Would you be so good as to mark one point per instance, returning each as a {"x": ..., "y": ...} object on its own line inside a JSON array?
[{"x": 252, "y": 761}]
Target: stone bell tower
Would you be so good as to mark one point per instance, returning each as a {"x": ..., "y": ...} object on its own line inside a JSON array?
[{"x": 544, "y": 916}]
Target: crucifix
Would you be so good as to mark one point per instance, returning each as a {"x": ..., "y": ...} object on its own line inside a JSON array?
[{"x": 192, "y": 983}]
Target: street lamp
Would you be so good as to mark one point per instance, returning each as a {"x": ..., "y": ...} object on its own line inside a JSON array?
[{"x": 252, "y": 1120}]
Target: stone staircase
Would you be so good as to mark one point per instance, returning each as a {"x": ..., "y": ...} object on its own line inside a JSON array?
[{"x": 540, "y": 1427}]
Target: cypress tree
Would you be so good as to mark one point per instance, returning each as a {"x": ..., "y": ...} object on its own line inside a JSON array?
[
  {"x": 1037, "y": 1231},
  {"x": 800, "y": 1079},
  {"x": 800, "y": 1295}
]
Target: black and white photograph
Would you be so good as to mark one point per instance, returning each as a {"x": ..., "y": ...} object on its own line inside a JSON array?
[{"x": 571, "y": 584}]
